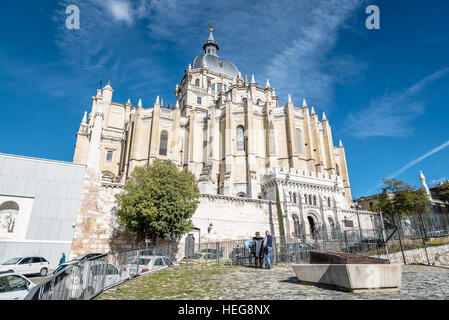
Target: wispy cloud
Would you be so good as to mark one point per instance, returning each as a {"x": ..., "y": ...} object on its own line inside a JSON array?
[
  {"x": 438, "y": 181},
  {"x": 121, "y": 10},
  {"x": 391, "y": 115},
  {"x": 259, "y": 38},
  {"x": 301, "y": 65},
  {"x": 411, "y": 164}
]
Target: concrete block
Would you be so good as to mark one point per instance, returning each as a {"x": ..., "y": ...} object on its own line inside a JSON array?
[{"x": 350, "y": 277}]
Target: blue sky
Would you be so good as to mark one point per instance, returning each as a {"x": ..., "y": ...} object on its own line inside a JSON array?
[{"x": 385, "y": 92}]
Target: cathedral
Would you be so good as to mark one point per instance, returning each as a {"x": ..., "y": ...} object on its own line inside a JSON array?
[{"x": 233, "y": 134}]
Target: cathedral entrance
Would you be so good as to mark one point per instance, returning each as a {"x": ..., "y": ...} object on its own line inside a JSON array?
[{"x": 312, "y": 225}]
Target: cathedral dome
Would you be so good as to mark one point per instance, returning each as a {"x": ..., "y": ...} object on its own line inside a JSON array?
[
  {"x": 216, "y": 64},
  {"x": 212, "y": 61}
]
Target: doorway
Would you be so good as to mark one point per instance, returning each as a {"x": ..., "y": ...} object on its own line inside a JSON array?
[{"x": 312, "y": 226}]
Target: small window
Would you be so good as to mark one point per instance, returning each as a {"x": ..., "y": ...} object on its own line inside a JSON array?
[
  {"x": 244, "y": 100},
  {"x": 2, "y": 285},
  {"x": 17, "y": 283},
  {"x": 111, "y": 269},
  {"x": 348, "y": 223},
  {"x": 298, "y": 141},
  {"x": 337, "y": 169},
  {"x": 198, "y": 100},
  {"x": 159, "y": 262},
  {"x": 329, "y": 201},
  {"x": 109, "y": 155},
  {"x": 197, "y": 82},
  {"x": 294, "y": 197},
  {"x": 163, "y": 143},
  {"x": 314, "y": 200},
  {"x": 25, "y": 261},
  {"x": 310, "y": 199},
  {"x": 240, "y": 138},
  {"x": 259, "y": 101}
]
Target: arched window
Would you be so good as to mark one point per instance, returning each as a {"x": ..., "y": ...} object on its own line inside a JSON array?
[
  {"x": 271, "y": 139},
  {"x": 337, "y": 169},
  {"x": 329, "y": 201},
  {"x": 9, "y": 211},
  {"x": 298, "y": 141},
  {"x": 186, "y": 147},
  {"x": 240, "y": 138},
  {"x": 197, "y": 82},
  {"x": 163, "y": 143},
  {"x": 243, "y": 100},
  {"x": 259, "y": 102},
  {"x": 290, "y": 196},
  {"x": 241, "y": 195},
  {"x": 294, "y": 197},
  {"x": 305, "y": 199},
  {"x": 310, "y": 199},
  {"x": 296, "y": 225},
  {"x": 198, "y": 100},
  {"x": 314, "y": 200}
]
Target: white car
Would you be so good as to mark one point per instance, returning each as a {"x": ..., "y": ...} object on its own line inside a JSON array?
[
  {"x": 14, "y": 286},
  {"x": 147, "y": 263},
  {"x": 26, "y": 265}
]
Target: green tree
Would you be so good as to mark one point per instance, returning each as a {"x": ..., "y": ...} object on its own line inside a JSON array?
[
  {"x": 443, "y": 191},
  {"x": 400, "y": 198},
  {"x": 158, "y": 199}
]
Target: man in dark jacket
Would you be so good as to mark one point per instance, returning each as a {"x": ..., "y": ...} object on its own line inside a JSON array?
[
  {"x": 268, "y": 245},
  {"x": 258, "y": 250}
]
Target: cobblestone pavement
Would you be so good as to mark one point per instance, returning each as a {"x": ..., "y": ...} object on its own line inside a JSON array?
[{"x": 234, "y": 283}]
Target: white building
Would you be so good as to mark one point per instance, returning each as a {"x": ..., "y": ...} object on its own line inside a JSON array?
[{"x": 39, "y": 202}]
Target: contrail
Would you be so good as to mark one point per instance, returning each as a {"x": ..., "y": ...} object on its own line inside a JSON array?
[{"x": 412, "y": 163}]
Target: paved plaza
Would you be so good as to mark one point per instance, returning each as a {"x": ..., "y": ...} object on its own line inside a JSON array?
[{"x": 234, "y": 283}]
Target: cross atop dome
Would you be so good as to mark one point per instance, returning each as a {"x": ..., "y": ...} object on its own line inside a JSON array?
[{"x": 211, "y": 46}]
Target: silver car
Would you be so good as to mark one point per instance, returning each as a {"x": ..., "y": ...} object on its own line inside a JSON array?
[{"x": 14, "y": 286}]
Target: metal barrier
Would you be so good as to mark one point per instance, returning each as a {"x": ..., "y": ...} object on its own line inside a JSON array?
[
  {"x": 84, "y": 280},
  {"x": 285, "y": 250}
]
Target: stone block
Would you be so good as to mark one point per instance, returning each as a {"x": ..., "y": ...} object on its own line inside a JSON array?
[
  {"x": 350, "y": 277},
  {"x": 330, "y": 257}
]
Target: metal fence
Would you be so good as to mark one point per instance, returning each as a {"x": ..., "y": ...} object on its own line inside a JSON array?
[
  {"x": 285, "y": 250},
  {"x": 85, "y": 279}
]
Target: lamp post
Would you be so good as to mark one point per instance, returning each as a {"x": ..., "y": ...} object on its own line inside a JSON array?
[{"x": 356, "y": 204}]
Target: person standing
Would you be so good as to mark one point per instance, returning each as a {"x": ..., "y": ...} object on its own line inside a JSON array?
[
  {"x": 258, "y": 250},
  {"x": 62, "y": 260},
  {"x": 268, "y": 245}
]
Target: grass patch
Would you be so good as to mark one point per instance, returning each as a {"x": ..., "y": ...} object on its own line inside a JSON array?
[{"x": 194, "y": 282}]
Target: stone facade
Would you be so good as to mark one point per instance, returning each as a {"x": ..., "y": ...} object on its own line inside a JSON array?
[{"x": 233, "y": 135}]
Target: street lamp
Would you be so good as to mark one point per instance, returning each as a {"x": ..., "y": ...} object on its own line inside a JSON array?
[{"x": 356, "y": 204}]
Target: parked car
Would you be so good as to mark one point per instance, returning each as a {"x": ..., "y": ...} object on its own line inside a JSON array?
[
  {"x": 87, "y": 256},
  {"x": 241, "y": 256},
  {"x": 63, "y": 266},
  {"x": 297, "y": 251},
  {"x": 214, "y": 251},
  {"x": 373, "y": 240},
  {"x": 436, "y": 233},
  {"x": 147, "y": 263},
  {"x": 204, "y": 258},
  {"x": 14, "y": 286},
  {"x": 26, "y": 265}
]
